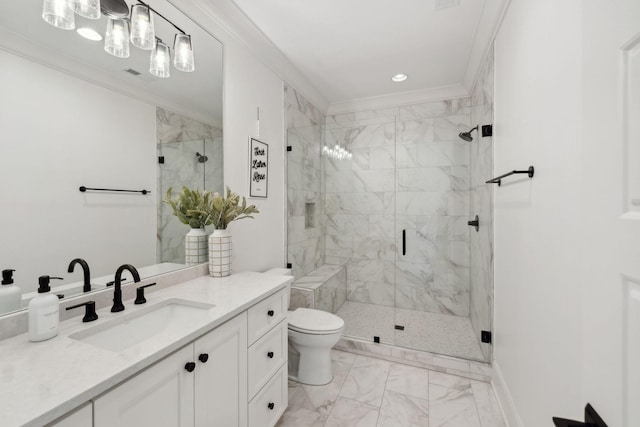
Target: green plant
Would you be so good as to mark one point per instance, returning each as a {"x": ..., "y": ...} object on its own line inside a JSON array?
[
  {"x": 192, "y": 207},
  {"x": 224, "y": 210}
]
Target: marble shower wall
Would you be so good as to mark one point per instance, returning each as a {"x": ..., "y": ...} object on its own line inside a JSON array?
[
  {"x": 305, "y": 184},
  {"x": 179, "y": 138},
  {"x": 482, "y": 205},
  {"x": 409, "y": 171}
]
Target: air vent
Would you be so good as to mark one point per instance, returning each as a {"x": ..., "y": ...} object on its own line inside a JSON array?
[
  {"x": 446, "y": 4},
  {"x": 132, "y": 71}
]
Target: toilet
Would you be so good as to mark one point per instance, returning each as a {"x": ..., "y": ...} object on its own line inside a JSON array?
[{"x": 312, "y": 334}]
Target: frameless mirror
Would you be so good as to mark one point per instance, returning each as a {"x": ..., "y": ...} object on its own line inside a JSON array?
[{"x": 73, "y": 115}]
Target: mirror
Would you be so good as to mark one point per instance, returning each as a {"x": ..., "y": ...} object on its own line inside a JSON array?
[{"x": 72, "y": 115}]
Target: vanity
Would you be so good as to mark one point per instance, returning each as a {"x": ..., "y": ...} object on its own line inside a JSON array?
[{"x": 208, "y": 351}]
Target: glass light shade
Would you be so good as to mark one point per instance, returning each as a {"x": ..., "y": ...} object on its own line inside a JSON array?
[
  {"x": 142, "y": 32},
  {"x": 59, "y": 13},
  {"x": 183, "y": 53},
  {"x": 87, "y": 8},
  {"x": 116, "y": 40},
  {"x": 160, "y": 60}
]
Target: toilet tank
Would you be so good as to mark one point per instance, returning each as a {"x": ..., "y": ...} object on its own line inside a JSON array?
[{"x": 283, "y": 272}]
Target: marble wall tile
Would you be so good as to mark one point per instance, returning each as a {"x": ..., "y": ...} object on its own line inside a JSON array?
[
  {"x": 432, "y": 179},
  {"x": 481, "y": 243},
  {"x": 332, "y": 293},
  {"x": 347, "y": 225},
  {"x": 371, "y": 292},
  {"x": 301, "y": 298}
]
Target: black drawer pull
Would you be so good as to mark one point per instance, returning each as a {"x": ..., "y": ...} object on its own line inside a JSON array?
[
  {"x": 270, "y": 355},
  {"x": 190, "y": 366},
  {"x": 270, "y": 313},
  {"x": 271, "y": 405},
  {"x": 203, "y": 357}
]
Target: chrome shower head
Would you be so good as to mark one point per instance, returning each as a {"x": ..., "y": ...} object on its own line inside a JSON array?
[
  {"x": 201, "y": 158},
  {"x": 466, "y": 136}
]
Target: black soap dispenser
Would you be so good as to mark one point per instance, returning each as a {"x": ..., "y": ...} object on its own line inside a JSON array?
[{"x": 10, "y": 294}]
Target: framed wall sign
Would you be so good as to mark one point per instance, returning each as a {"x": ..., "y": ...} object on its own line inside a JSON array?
[{"x": 258, "y": 168}]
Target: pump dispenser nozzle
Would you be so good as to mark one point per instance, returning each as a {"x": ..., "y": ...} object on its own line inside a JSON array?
[
  {"x": 7, "y": 277},
  {"x": 43, "y": 282}
]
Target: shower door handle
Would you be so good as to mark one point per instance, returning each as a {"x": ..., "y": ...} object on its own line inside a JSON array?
[{"x": 404, "y": 242}]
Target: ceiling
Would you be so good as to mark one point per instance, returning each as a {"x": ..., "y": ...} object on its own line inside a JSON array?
[{"x": 349, "y": 50}]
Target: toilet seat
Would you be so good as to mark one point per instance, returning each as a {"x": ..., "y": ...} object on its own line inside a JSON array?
[{"x": 314, "y": 322}]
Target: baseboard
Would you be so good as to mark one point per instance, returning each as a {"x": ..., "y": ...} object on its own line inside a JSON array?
[{"x": 508, "y": 407}]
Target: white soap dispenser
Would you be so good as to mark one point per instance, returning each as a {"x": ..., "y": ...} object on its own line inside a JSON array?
[
  {"x": 10, "y": 294},
  {"x": 44, "y": 315}
]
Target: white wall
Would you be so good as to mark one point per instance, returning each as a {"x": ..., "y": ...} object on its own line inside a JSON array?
[
  {"x": 537, "y": 233},
  {"x": 47, "y": 221}
]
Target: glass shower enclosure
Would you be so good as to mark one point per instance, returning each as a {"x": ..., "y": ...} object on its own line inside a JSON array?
[{"x": 396, "y": 216}]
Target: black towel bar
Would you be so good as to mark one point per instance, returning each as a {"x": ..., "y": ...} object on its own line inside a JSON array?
[
  {"x": 498, "y": 179},
  {"x": 84, "y": 189}
]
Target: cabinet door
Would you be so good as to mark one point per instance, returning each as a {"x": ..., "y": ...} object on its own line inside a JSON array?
[
  {"x": 81, "y": 417},
  {"x": 160, "y": 396},
  {"x": 221, "y": 381}
]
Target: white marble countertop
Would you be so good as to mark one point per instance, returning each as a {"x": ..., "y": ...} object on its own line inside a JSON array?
[{"x": 42, "y": 381}]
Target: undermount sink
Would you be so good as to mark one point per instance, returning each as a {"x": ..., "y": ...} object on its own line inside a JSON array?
[{"x": 167, "y": 318}]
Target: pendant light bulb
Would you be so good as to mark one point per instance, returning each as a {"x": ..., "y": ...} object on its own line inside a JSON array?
[
  {"x": 59, "y": 13},
  {"x": 142, "y": 30},
  {"x": 116, "y": 41},
  {"x": 183, "y": 53},
  {"x": 160, "y": 64},
  {"x": 87, "y": 8}
]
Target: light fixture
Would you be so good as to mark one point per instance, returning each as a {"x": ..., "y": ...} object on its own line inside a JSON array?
[
  {"x": 142, "y": 32},
  {"x": 123, "y": 28},
  {"x": 183, "y": 53},
  {"x": 89, "y": 34},
  {"x": 160, "y": 64},
  {"x": 116, "y": 41},
  {"x": 87, "y": 8},
  {"x": 399, "y": 78},
  {"x": 59, "y": 13},
  {"x": 337, "y": 152}
]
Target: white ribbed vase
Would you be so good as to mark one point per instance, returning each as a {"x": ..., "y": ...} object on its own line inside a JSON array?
[
  {"x": 220, "y": 253},
  {"x": 196, "y": 246}
]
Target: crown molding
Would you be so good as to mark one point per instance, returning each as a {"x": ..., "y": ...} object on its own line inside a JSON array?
[
  {"x": 490, "y": 21},
  {"x": 398, "y": 99}
]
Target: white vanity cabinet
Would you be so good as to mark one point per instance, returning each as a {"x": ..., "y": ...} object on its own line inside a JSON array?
[
  {"x": 81, "y": 417},
  {"x": 202, "y": 384},
  {"x": 268, "y": 391}
]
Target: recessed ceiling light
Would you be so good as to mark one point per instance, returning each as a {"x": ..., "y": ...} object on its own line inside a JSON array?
[
  {"x": 89, "y": 33},
  {"x": 399, "y": 78}
]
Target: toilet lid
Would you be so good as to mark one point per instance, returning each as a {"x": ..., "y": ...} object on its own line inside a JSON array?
[{"x": 314, "y": 321}]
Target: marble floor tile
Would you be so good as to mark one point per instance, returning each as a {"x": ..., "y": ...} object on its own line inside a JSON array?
[
  {"x": 452, "y": 407},
  {"x": 366, "y": 380},
  {"x": 351, "y": 413},
  {"x": 367, "y": 392},
  {"x": 403, "y": 410},
  {"x": 488, "y": 408},
  {"x": 297, "y": 417},
  {"x": 408, "y": 380}
]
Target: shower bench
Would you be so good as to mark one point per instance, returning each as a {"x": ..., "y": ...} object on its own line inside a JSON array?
[{"x": 324, "y": 288}]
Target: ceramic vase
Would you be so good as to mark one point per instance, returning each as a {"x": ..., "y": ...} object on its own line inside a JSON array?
[
  {"x": 196, "y": 246},
  {"x": 220, "y": 253}
]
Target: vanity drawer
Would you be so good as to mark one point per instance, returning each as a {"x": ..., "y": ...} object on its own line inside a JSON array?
[
  {"x": 268, "y": 406},
  {"x": 266, "y": 314},
  {"x": 266, "y": 356}
]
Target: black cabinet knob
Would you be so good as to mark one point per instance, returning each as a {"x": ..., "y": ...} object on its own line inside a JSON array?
[
  {"x": 271, "y": 405},
  {"x": 203, "y": 357},
  {"x": 270, "y": 355},
  {"x": 270, "y": 313},
  {"x": 190, "y": 366}
]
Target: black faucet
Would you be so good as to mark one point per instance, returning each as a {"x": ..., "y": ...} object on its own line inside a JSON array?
[
  {"x": 117, "y": 293},
  {"x": 85, "y": 269}
]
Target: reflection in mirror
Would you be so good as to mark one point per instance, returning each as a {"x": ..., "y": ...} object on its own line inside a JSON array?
[{"x": 73, "y": 115}]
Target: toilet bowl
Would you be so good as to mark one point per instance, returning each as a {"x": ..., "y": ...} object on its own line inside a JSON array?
[{"x": 312, "y": 334}]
